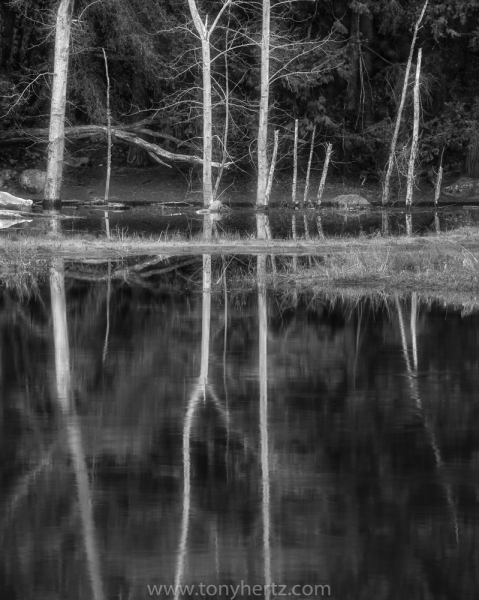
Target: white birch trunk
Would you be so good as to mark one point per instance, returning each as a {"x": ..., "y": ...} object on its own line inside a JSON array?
[
  {"x": 56, "y": 136},
  {"x": 415, "y": 134}
]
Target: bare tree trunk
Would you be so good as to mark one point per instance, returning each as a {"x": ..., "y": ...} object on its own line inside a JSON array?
[
  {"x": 205, "y": 35},
  {"x": 308, "y": 172},
  {"x": 227, "y": 119},
  {"x": 437, "y": 191},
  {"x": 272, "y": 167},
  {"x": 295, "y": 162},
  {"x": 324, "y": 174},
  {"x": 264, "y": 108},
  {"x": 207, "y": 121},
  {"x": 415, "y": 134},
  {"x": 108, "y": 159},
  {"x": 56, "y": 137},
  {"x": 408, "y": 224},
  {"x": 392, "y": 151}
]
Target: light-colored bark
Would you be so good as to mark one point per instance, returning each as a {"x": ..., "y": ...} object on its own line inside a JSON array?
[
  {"x": 408, "y": 224},
  {"x": 108, "y": 135},
  {"x": 295, "y": 162},
  {"x": 205, "y": 37},
  {"x": 437, "y": 190},
  {"x": 392, "y": 151},
  {"x": 308, "y": 172},
  {"x": 272, "y": 167},
  {"x": 263, "y": 108},
  {"x": 415, "y": 133},
  {"x": 56, "y": 136},
  {"x": 324, "y": 174}
]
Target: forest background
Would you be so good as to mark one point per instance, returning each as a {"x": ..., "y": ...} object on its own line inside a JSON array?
[{"x": 336, "y": 67}]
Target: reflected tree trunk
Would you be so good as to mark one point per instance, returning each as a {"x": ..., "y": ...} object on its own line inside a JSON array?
[
  {"x": 415, "y": 396},
  {"x": 263, "y": 393},
  {"x": 198, "y": 393},
  {"x": 64, "y": 398},
  {"x": 107, "y": 332}
]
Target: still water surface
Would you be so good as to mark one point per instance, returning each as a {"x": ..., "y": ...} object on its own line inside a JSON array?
[{"x": 165, "y": 435}]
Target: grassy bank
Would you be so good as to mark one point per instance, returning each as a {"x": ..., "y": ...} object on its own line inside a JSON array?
[{"x": 445, "y": 262}]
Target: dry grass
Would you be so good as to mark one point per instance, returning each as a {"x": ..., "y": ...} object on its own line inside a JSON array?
[{"x": 444, "y": 263}]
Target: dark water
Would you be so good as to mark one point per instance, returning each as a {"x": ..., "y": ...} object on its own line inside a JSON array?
[
  {"x": 160, "y": 219},
  {"x": 161, "y": 435}
]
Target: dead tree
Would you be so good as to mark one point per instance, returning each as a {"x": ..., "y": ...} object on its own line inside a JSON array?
[{"x": 392, "y": 151}]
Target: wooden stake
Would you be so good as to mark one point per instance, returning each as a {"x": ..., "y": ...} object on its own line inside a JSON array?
[
  {"x": 392, "y": 151},
  {"x": 329, "y": 151},
  {"x": 295, "y": 162},
  {"x": 415, "y": 134},
  {"x": 306, "y": 187}
]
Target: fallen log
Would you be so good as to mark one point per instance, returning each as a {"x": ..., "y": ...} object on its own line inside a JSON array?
[
  {"x": 149, "y": 147},
  {"x": 124, "y": 133}
]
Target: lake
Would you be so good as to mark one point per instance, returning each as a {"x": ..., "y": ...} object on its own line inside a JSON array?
[{"x": 173, "y": 432}]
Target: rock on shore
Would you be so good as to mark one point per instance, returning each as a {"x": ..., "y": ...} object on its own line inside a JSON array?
[{"x": 9, "y": 201}]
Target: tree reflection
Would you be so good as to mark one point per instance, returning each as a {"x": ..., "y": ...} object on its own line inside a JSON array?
[
  {"x": 198, "y": 393},
  {"x": 263, "y": 401},
  {"x": 412, "y": 376},
  {"x": 65, "y": 401}
]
